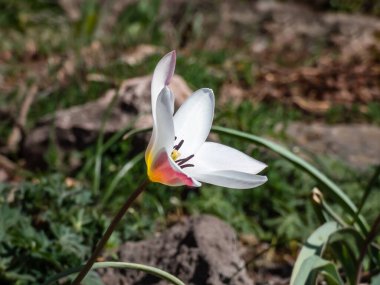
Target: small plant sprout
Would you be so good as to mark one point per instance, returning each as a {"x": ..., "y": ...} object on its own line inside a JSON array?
[{"x": 177, "y": 153}]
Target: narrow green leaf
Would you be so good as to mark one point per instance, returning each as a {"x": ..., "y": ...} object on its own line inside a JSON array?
[
  {"x": 125, "y": 265},
  {"x": 331, "y": 275},
  {"x": 345, "y": 244},
  {"x": 331, "y": 189},
  {"x": 99, "y": 147},
  {"x": 314, "y": 246},
  {"x": 369, "y": 188},
  {"x": 312, "y": 266},
  {"x": 345, "y": 255}
]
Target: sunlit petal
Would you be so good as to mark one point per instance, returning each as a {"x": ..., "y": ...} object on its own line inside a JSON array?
[
  {"x": 225, "y": 166},
  {"x": 215, "y": 156},
  {"x": 163, "y": 127},
  {"x": 161, "y": 77},
  {"x": 193, "y": 120},
  {"x": 231, "y": 179}
]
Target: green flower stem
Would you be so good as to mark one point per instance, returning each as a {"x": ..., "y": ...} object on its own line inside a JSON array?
[
  {"x": 99, "y": 247},
  {"x": 375, "y": 229},
  {"x": 125, "y": 265},
  {"x": 333, "y": 214},
  {"x": 369, "y": 188}
]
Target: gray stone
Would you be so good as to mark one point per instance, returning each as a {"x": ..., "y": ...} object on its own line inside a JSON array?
[
  {"x": 201, "y": 250},
  {"x": 79, "y": 126},
  {"x": 357, "y": 144}
]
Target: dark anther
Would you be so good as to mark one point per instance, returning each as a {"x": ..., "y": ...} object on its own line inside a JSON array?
[
  {"x": 186, "y": 165},
  {"x": 184, "y": 160},
  {"x": 178, "y": 146}
]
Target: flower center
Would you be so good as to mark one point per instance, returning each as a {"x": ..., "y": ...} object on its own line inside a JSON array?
[{"x": 176, "y": 154}]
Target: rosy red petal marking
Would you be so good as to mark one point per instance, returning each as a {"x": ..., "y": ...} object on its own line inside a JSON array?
[{"x": 161, "y": 171}]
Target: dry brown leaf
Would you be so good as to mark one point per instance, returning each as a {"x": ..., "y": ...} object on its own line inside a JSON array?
[
  {"x": 139, "y": 53},
  {"x": 319, "y": 107}
]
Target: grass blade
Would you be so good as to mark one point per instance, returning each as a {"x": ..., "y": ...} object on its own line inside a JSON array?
[
  {"x": 124, "y": 265},
  {"x": 122, "y": 172},
  {"x": 369, "y": 188},
  {"x": 99, "y": 147}
]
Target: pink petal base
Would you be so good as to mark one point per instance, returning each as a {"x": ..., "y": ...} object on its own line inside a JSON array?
[{"x": 162, "y": 172}]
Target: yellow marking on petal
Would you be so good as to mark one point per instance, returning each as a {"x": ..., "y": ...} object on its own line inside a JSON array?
[
  {"x": 149, "y": 161},
  {"x": 175, "y": 154}
]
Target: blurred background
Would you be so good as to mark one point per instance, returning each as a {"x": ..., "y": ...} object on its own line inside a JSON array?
[{"x": 74, "y": 78}]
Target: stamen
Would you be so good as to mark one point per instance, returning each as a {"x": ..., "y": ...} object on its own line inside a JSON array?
[
  {"x": 184, "y": 160},
  {"x": 178, "y": 146},
  {"x": 176, "y": 154},
  {"x": 186, "y": 165}
]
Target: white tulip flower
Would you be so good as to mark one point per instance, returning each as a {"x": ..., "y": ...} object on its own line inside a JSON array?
[{"x": 178, "y": 153}]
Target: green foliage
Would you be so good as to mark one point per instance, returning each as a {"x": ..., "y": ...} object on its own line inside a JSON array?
[
  {"x": 20, "y": 13},
  {"x": 356, "y": 6},
  {"x": 138, "y": 24},
  {"x": 197, "y": 73},
  {"x": 44, "y": 227},
  {"x": 353, "y": 114},
  {"x": 85, "y": 27}
]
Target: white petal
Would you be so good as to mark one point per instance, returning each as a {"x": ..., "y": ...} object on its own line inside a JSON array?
[
  {"x": 193, "y": 120},
  {"x": 232, "y": 179},
  {"x": 162, "y": 75},
  {"x": 214, "y": 156},
  {"x": 163, "y": 127},
  {"x": 225, "y": 166}
]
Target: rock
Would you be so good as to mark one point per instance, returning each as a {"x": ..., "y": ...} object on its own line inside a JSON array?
[
  {"x": 200, "y": 250},
  {"x": 358, "y": 144},
  {"x": 79, "y": 126}
]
